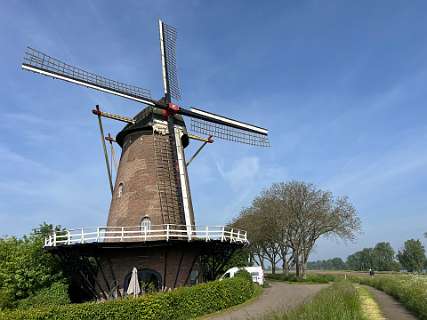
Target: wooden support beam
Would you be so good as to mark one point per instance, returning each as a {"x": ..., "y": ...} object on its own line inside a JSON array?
[
  {"x": 165, "y": 267},
  {"x": 191, "y": 268},
  {"x": 104, "y": 147},
  {"x": 178, "y": 269},
  {"x": 103, "y": 274}
]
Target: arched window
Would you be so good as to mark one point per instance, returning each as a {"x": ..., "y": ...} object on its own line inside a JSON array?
[
  {"x": 120, "y": 190},
  {"x": 149, "y": 280},
  {"x": 146, "y": 223}
]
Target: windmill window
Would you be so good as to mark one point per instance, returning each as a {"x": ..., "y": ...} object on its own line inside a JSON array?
[
  {"x": 146, "y": 223},
  {"x": 120, "y": 190}
]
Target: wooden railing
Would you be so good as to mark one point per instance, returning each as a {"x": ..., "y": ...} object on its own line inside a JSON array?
[{"x": 155, "y": 232}]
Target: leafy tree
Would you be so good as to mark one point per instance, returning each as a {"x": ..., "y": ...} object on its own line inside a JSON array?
[
  {"x": 412, "y": 257},
  {"x": 312, "y": 213},
  {"x": 240, "y": 258},
  {"x": 287, "y": 219},
  {"x": 383, "y": 257},
  {"x": 330, "y": 264},
  {"x": 25, "y": 267},
  {"x": 361, "y": 260},
  {"x": 261, "y": 222}
]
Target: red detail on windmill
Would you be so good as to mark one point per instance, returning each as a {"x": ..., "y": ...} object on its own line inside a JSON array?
[
  {"x": 165, "y": 113},
  {"x": 173, "y": 107},
  {"x": 171, "y": 110}
]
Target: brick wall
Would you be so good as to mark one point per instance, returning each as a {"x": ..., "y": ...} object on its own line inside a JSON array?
[{"x": 149, "y": 188}]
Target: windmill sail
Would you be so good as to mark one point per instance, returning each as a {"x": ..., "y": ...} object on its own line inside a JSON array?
[
  {"x": 226, "y": 132},
  {"x": 211, "y": 124},
  {"x": 168, "y": 37},
  {"x": 44, "y": 64}
]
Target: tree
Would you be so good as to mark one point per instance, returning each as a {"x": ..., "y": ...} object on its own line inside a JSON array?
[
  {"x": 313, "y": 213},
  {"x": 383, "y": 257},
  {"x": 240, "y": 258},
  {"x": 361, "y": 260},
  {"x": 287, "y": 219},
  {"x": 330, "y": 264},
  {"x": 25, "y": 267},
  {"x": 412, "y": 257},
  {"x": 260, "y": 222}
]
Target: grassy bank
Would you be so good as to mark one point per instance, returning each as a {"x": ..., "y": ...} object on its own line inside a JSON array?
[
  {"x": 340, "y": 301},
  {"x": 182, "y": 303},
  {"x": 410, "y": 290}
]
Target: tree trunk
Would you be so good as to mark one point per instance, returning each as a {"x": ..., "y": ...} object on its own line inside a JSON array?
[
  {"x": 285, "y": 267},
  {"x": 297, "y": 267},
  {"x": 261, "y": 262},
  {"x": 303, "y": 267},
  {"x": 273, "y": 268}
]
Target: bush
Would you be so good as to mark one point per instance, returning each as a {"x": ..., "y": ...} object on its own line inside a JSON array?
[
  {"x": 411, "y": 290},
  {"x": 25, "y": 267},
  {"x": 182, "y": 303},
  {"x": 242, "y": 273},
  {"x": 340, "y": 301},
  {"x": 56, "y": 294},
  {"x": 7, "y": 299},
  {"x": 310, "y": 278}
]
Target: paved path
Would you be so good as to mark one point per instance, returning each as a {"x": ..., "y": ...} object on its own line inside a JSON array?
[
  {"x": 391, "y": 308},
  {"x": 280, "y": 296}
]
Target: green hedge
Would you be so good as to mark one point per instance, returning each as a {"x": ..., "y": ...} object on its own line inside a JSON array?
[
  {"x": 310, "y": 277},
  {"x": 56, "y": 294},
  {"x": 411, "y": 290},
  {"x": 182, "y": 303}
]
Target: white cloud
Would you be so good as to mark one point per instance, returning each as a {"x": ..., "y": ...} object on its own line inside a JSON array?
[{"x": 242, "y": 173}]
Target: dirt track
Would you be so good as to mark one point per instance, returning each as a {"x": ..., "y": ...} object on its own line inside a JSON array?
[
  {"x": 280, "y": 296},
  {"x": 391, "y": 308}
]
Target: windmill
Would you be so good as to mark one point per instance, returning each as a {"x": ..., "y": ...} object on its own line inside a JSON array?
[{"x": 151, "y": 187}]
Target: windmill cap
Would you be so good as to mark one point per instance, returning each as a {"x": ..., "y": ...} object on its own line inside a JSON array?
[{"x": 144, "y": 122}]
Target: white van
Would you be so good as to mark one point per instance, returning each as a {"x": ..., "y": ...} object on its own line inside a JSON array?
[{"x": 256, "y": 272}]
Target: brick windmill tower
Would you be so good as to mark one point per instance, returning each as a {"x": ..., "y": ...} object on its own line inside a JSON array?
[{"x": 151, "y": 222}]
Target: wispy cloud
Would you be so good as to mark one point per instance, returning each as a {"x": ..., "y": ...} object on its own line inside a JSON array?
[{"x": 239, "y": 174}]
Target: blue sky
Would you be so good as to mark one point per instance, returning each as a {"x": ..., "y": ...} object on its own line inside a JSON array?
[{"x": 339, "y": 84}]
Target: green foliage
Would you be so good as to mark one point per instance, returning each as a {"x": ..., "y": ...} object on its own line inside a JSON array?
[
  {"x": 379, "y": 258},
  {"x": 183, "y": 303},
  {"x": 242, "y": 273},
  {"x": 383, "y": 257},
  {"x": 310, "y": 277},
  {"x": 330, "y": 264},
  {"x": 25, "y": 267},
  {"x": 361, "y": 260},
  {"x": 56, "y": 294},
  {"x": 7, "y": 298},
  {"x": 239, "y": 259},
  {"x": 412, "y": 257},
  {"x": 411, "y": 290},
  {"x": 338, "y": 302}
]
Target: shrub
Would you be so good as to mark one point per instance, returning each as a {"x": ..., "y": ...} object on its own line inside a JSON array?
[
  {"x": 340, "y": 301},
  {"x": 242, "y": 273},
  {"x": 310, "y": 277},
  {"x": 56, "y": 294},
  {"x": 7, "y": 299},
  {"x": 25, "y": 267},
  {"x": 411, "y": 290},
  {"x": 182, "y": 303}
]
